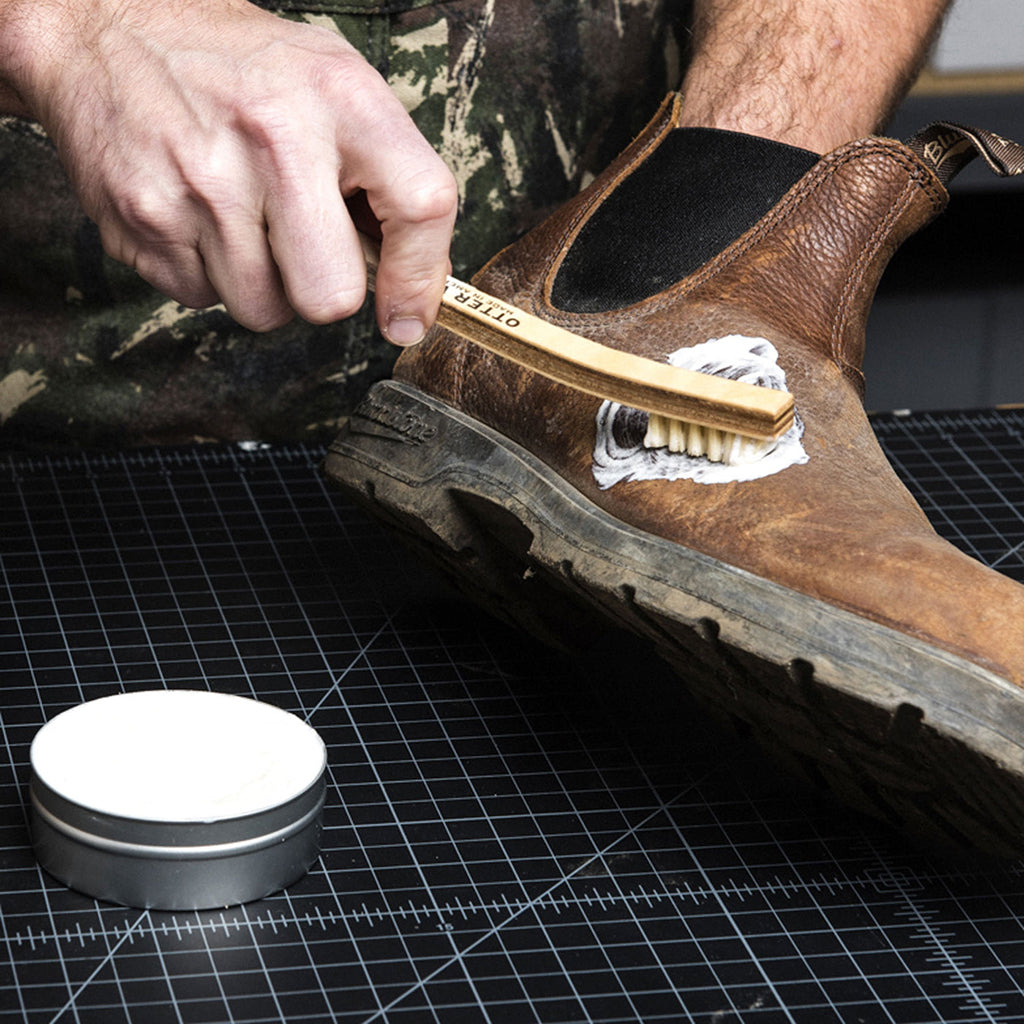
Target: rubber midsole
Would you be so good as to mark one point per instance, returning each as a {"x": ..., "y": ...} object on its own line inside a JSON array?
[{"x": 409, "y": 448}]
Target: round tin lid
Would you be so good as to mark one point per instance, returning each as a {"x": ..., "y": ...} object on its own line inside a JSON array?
[{"x": 177, "y": 756}]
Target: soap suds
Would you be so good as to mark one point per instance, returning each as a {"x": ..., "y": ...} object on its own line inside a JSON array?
[{"x": 619, "y": 452}]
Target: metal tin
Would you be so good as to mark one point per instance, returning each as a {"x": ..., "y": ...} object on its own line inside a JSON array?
[{"x": 177, "y": 799}]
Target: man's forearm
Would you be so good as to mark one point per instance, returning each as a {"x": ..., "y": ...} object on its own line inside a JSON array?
[
  {"x": 12, "y": 55},
  {"x": 813, "y": 73}
]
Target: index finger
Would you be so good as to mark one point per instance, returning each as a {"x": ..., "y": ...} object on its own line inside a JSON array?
[{"x": 414, "y": 199}]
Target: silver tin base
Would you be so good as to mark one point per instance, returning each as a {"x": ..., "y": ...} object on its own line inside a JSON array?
[{"x": 175, "y": 866}]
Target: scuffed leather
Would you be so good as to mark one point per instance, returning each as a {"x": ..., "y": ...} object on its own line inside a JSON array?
[{"x": 841, "y": 528}]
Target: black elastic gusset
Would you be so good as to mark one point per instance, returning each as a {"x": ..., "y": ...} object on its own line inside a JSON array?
[{"x": 694, "y": 195}]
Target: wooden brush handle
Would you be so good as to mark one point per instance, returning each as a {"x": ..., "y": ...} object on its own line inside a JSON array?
[{"x": 606, "y": 372}]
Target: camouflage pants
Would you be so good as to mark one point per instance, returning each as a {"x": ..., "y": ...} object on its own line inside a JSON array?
[{"x": 91, "y": 355}]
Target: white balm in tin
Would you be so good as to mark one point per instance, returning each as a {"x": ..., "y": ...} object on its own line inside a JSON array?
[{"x": 177, "y": 799}]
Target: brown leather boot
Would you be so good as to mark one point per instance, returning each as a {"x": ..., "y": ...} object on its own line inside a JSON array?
[{"x": 805, "y": 596}]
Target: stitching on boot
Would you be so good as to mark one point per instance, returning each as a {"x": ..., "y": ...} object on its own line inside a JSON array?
[{"x": 856, "y": 276}]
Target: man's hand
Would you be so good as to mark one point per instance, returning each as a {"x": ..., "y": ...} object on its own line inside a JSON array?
[{"x": 215, "y": 145}]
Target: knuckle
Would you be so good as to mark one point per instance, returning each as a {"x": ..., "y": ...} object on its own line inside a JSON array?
[
  {"x": 214, "y": 185},
  {"x": 331, "y": 308},
  {"x": 146, "y": 211},
  {"x": 325, "y": 299},
  {"x": 117, "y": 245},
  {"x": 430, "y": 198},
  {"x": 254, "y": 296},
  {"x": 348, "y": 83},
  {"x": 267, "y": 121},
  {"x": 276, "y": 151},
  {"x": 176, "y": 282},
  {"x": 259, "y": 314},
  {"x": 421, "y": 192},
  {"x": 262, "y": 323},
  {"x": 194, "y": 297}
]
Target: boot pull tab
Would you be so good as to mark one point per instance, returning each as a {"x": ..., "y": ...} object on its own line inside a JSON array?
[{"x": 948, "y": 147}]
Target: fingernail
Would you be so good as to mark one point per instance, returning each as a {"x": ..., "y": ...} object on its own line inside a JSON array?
[{"x": 406, "y": 330}]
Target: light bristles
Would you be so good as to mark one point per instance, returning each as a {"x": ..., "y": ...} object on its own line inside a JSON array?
[{"x": 715, "y": 445}]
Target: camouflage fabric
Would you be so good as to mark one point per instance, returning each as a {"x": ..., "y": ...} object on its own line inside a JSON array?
[{"x": 524, "y": 99}]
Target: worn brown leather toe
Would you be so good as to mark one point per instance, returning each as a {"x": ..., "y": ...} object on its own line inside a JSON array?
[{"x": 804, "y": 596}]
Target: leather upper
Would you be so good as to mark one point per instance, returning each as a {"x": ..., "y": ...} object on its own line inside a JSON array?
[{"x": 839, "y": 527}]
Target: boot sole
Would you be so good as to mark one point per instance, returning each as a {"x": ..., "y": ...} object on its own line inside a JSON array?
[{"x": 887, "y": 723}]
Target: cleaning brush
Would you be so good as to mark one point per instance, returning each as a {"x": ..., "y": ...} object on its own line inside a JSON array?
[{"x": 703, "y": 415}]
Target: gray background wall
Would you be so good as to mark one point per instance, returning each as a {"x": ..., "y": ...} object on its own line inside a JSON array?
[{"x": 947, "y": 327}]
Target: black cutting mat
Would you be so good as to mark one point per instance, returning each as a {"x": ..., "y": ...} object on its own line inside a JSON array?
[{"x": 508, "y": 838}]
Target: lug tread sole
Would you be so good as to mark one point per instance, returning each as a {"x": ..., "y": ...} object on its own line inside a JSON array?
[{"x": 890, "y": 725}]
